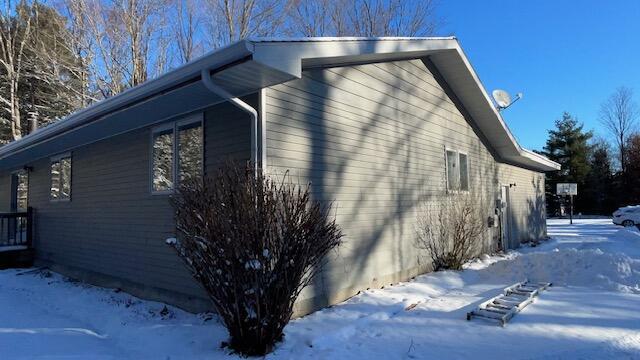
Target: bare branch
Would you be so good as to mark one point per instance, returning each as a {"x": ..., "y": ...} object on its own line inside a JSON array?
[
  {"x": 619, "y": 114},
  {"x": 451, "y": 231},
  {"x": 363, "y": 18}
]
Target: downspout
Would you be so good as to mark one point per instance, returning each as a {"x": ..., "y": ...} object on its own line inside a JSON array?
[{"x": 211, "y": 86}]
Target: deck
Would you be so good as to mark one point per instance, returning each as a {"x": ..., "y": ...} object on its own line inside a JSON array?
[{"x": 16, "y": 239}]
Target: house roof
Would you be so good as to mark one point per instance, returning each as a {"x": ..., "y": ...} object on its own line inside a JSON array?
[{"x": 246, "y": 66}]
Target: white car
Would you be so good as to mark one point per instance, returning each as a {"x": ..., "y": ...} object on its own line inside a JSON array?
[{"x": 627, "y": 216}]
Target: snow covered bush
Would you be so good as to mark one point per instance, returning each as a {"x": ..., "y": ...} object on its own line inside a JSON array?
[
  {"x": 253, "y": 242},
  {"x": 451, "y": 231}
]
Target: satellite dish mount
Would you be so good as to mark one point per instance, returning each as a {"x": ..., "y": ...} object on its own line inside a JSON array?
[{"x": 503, "y": 99}]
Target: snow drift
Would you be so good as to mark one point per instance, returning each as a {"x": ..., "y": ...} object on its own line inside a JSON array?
[
  {"x": 627, "y": 234},
  {"x": 573, "y": 267}
]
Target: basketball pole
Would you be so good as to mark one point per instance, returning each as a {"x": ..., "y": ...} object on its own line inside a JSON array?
[{"x": 571, "y": 210}]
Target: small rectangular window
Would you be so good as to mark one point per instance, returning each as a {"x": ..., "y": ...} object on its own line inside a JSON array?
[
  {"x": 189, "y": 151},
  {"x": 61, "y": 178},
  {"x": 457, "y": 171},
  {"x": 65, "y": 178},
  {"x": 55, "y": 180},
  {"x": 163, "y": 160},
  {"x": 177, "y": 153},
  {"x": 452, "y": 170},
  {"x": 22, "y": 190},
  {"x": 464, "y": 173}
]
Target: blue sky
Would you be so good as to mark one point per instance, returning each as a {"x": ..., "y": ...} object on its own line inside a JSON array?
[{"x": 563, "y": 55}]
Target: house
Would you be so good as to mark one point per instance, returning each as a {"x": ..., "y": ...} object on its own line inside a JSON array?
[{"x": 378, "y": 125}]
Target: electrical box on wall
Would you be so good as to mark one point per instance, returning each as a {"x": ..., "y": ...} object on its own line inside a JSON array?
[{"x": 492, "y": 221}]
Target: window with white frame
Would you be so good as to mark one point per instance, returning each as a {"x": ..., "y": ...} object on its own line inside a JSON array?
[
  {"x": 177, "y": 150},
  {"x": 61, "y": 178},
  {"x": 22, "y": 189},
  {"x": 457, "y": 170}
]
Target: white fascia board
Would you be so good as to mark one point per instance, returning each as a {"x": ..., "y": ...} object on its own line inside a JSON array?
[
  {"x": 544, "y": 162},
  {"x": 345, "y": 38},
  {"x": 288, "y": 56},
  {"x": 549, "y": 165},
  {"x": 487, "y": 99}
]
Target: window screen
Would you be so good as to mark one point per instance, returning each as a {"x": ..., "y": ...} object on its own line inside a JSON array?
[
  {"x": 177, "y": 154},
  {"x": 163, "y": 160},
  {"x": 464, "y": 173},
  {"x": 61, "y": 178},
  {"x": 452, "y": 170},
  {"x": 22, "y": 191},
  {"x": 55, "y": 180},
  {"x": 190, "y": 151},
  {"x": 65, "y": 178}
]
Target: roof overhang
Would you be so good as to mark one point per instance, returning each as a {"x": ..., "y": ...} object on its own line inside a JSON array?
[{"x": 249, "y": 65}]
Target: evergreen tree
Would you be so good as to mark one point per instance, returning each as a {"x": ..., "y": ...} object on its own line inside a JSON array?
[
  {"x": 630, "y": 193},
  {"x": 568, "y": 145},
  {"x": 48, "y": 87},
  {"x": 599, "y": 187}
]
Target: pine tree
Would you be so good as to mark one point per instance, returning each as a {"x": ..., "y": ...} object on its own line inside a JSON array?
[
  {"x": 630, "y": 194},
  {"x": 54, "y": 87},
  {"x": 47, "y": 82},
  {"x": 599, "y": 187},
  {"x": 568, "y": 145}
]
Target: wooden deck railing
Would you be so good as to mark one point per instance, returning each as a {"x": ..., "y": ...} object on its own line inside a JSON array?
[{"x": 16, "y": 228}]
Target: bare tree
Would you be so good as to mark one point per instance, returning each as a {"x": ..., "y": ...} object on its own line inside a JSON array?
[
  {"x": 107, "y": 43},
  {"x": 186, "y": 29},
  {"x": 125, "y": 40},
  {"x": 15, "y": 29},
  {"x": 232, "y": 20},
  {"x": 312, "y": 18},
  {"x": 81, "y": 43},
  {"x": 140, "y": 19},
  {"x": 619, "y": 114},
  {"x": 451, "y": 231},
  {"x": 363, "y": 17}
]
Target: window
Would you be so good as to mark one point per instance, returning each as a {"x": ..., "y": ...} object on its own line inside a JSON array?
[
  {"x": 61, "y": 178},
  {"x": 176, "y": 158},
  {"x": 22, "y": 190},
  {"x": 452, "y": 170},
  {"x": 163, "y": 160},
  {"x": 189, "y": 151},
  {"x": 464, "y": 174},
  {"x": 457, "y": 171}
]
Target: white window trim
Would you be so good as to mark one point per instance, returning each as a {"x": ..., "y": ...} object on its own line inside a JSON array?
[
  {"x": 446, "y": 171},
  {"x": 174, "y": 127},
  {"x": 57, "y": 158}
]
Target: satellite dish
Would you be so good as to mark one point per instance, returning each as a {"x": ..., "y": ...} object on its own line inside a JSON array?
[{"x": 503, "y": 99}]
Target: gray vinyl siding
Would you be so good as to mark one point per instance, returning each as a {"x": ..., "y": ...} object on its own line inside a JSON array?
[
  {"x": 113, "y": 225},
  {"x": 5, "y": 192},
  {"x": 527, "y": 203},
  {"x": 372, "y": 139},
  {"x": 228, "y": 134}
]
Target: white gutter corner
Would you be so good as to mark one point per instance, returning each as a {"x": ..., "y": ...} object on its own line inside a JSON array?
[{"x": 216, "y": 89}]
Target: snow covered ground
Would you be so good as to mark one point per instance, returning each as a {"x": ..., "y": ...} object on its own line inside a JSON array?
[{"x": 591, "y": 312}]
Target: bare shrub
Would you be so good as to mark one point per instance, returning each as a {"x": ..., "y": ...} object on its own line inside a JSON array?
[
  {"x": 253, "y": 243},
  {"x": 451, "y": 231}
]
